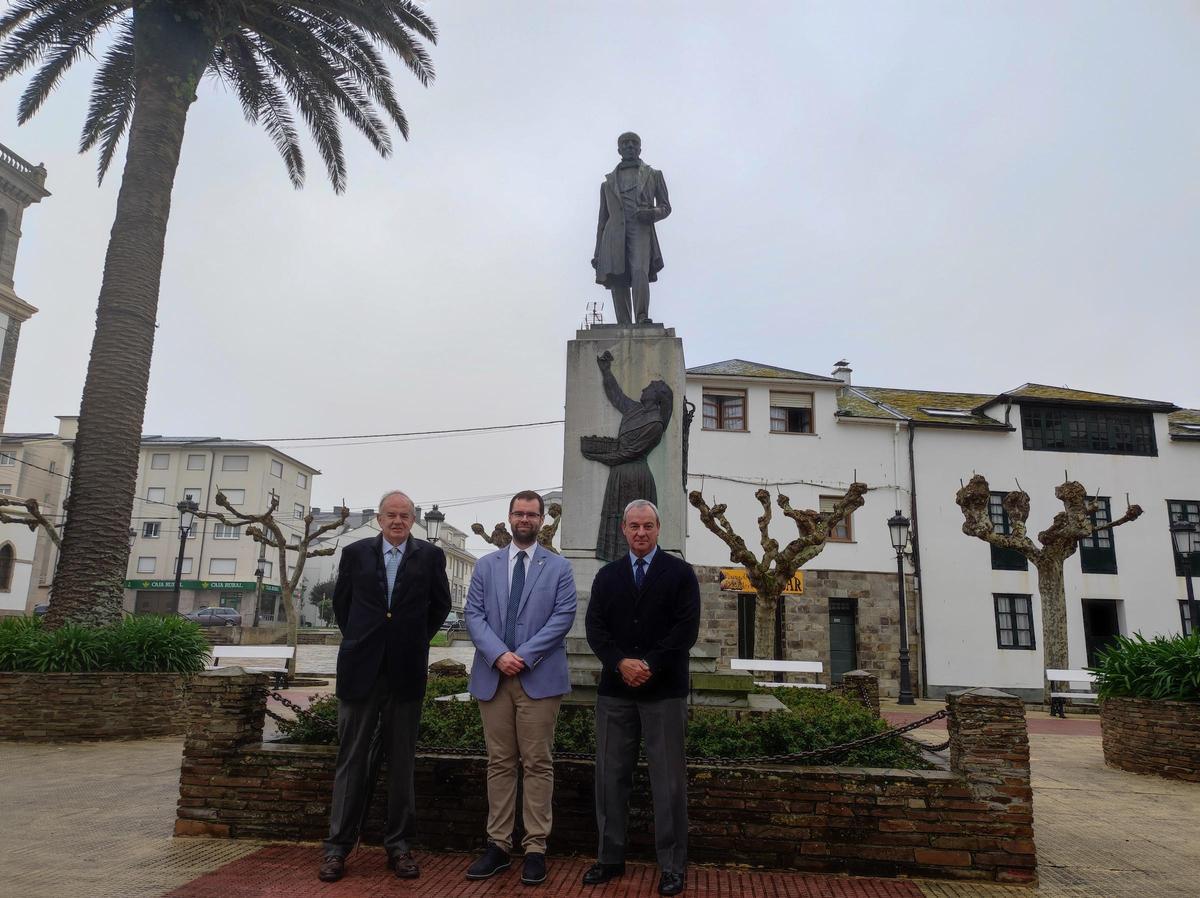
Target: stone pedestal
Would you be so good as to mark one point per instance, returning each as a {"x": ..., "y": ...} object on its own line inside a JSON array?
[{"x": 640, "y": 355}]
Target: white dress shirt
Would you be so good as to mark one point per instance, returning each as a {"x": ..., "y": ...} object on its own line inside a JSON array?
[{"x": 513, "y": 549}]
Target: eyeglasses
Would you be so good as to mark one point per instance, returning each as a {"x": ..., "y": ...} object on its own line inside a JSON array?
[{"x": 526, "y": 515}]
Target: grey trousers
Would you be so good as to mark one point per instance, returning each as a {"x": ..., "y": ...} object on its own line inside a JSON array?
[
  {"x": 620, "y": 724},
  {"x": 356, "y": 725},
  {"x": 635, "y": 287}
]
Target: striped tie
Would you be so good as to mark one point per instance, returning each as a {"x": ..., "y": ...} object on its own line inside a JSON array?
[{"x": 514, "y": 602}]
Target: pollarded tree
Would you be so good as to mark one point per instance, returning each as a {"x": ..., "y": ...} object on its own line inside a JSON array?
[
  {"x": 1058, "y": 543},
  {"x": 771, "y": 573},
  {"x": 323, "y": 61}
]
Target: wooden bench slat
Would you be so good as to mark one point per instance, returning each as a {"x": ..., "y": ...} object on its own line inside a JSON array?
[{"x": 253, "y": 651}]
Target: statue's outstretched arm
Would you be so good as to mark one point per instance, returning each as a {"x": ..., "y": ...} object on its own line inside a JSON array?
[{"x": 612, "y": 389}]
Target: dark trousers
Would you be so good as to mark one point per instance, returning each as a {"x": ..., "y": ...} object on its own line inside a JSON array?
[
  {"x": 356, "y": 725},
  {"x": 631, "y": 297},
  {"x": 620, "y": 724}
]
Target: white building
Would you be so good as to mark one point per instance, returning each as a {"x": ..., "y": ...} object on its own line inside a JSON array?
[{"x": 977, "y": 615}]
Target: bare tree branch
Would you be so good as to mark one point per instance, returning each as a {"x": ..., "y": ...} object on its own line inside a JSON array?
[{"x": 33, "y": 517}]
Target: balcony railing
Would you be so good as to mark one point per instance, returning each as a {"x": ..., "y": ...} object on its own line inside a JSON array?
[{"x": 35, "y": 172}]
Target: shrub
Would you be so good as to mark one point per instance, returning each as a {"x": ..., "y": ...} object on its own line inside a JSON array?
[
  {"x": 816, "y": 720},
  {"x": 1166, "y": 667},
  {"x": 142, "y": 644}
]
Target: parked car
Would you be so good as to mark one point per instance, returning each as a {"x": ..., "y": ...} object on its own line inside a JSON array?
[
  {"x": 453, "y": 622},
  {"x": 216, "y": 617}
]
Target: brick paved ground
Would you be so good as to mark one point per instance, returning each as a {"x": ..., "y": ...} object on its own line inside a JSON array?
[{"x": 96, "y": 819}]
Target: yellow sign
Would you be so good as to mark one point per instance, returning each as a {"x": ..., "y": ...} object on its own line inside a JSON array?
[{"x": 736, "y": 579}]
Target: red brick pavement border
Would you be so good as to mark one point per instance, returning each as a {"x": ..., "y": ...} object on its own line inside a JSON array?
[{"x": 289, "y": 871}]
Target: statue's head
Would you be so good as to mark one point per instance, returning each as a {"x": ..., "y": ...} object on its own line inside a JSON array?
[
  {"x": 629, "y": 145},
  {"x": 657, "y": 393}
]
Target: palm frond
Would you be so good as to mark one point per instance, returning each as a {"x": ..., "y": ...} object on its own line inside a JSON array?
[
  {"x": 111, "y": 104},
  {"x": 35, "y": 34}
]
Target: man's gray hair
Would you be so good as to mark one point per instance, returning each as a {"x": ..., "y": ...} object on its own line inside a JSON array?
[
  {"x": 641, "y": 503},
  {"x": 401, "y": 493}
]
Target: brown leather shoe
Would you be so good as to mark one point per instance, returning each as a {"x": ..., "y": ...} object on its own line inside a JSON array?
[
  {"x": 403, "y": 865},
  {"x": 332, "y": 869}
]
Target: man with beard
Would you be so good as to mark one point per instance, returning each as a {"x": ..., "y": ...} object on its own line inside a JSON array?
[{"x": 520, "y": 605}]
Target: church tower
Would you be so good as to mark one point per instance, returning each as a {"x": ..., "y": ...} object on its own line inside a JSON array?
[{"x": 21, "y": 185}]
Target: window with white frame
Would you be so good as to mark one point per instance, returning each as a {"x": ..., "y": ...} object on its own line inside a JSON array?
[
  {"x": 235, "y": 497},
  {"x": 302, "y": 480},
  {"x": 151, "y": 529},
  {"x": 156, "y": 494},
  {"x": 185, "y": 568},
  {"x": 1014, "y": 621},
  {"x": 298, "y": 510},
  {"x": 225, "y": 531},
  {"x": 1097, "y": 554},
  {"x": 791, "y": 412},
  {"x": 5, "y": 489},
  {"x": 225, "y": 567},
  {"x": 276, "y": 468},
  {"x": 844, "y": 531},
  {"x": 145, "y": 564},
  {"x": 160, "y": 461},
  {"x": 267, "y": 567},
  {"x": 195, "y": 462},
  {"x": 1003, "y": 559},
  {"x": 8, "y": 459},
  {"x": 724, "y": 409},
  {"x": 235, "y": 462}
]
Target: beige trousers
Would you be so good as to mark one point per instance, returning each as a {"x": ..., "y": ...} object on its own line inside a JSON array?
[{"x": 519, "y": 729}]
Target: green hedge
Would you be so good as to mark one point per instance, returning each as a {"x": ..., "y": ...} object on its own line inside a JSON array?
[
  {"x": 141, "y": 644},
  {"x": 1166, "y": 667},
  {"x": 816, "y": 719}
]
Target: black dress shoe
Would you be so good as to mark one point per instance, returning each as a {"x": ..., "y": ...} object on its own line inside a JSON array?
[
  {"x": 489, "y": 863},
  {"x": 332, "y": 868},
  {"x": 534, "y": 870},
  {"x": 670, "y": 884},
  {"x": 403, "y": 865},
  {"x": 601, "y": 873}
]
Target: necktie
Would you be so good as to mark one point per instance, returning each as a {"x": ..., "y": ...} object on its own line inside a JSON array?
[
  {"x": 393, "y": 565},
  {"x": 639, "y": 573},
  {"x": 514, "y": 602}
]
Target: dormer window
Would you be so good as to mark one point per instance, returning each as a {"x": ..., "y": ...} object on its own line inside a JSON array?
[
  {"x": 947, "y": 412},
  {"x": 1066, "y": 429}
]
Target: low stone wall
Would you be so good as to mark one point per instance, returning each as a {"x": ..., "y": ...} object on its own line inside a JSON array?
[
  {"x": 72, "y": 707},
  {"x": 269, "y": 636},
  {"x": 973, "y": 821},
  {"x": 1154, "y": 737}
]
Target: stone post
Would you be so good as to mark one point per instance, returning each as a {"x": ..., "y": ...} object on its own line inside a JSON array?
[
  {"x": 226, "y": 709},
  {"x": 862, "y": 687},
  {"x": 989, "y": 746}
]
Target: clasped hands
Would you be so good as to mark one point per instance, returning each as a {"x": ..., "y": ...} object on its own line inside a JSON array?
[
  {"x": 510, "y": 664},
  {"x": 633, "y": 671}
]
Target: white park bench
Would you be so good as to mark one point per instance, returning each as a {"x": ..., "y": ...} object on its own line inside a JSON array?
[
  {"x": 1058, "y": 700},
  {"x": 759, "y": 665},
  {"x": 282, "y": 653}
]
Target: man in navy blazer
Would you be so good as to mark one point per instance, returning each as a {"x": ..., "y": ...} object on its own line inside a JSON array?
[
  {"x": 643, "y": 618},
  {"x": 520, "y": 605},
  {"x": 390, "y": 598}
]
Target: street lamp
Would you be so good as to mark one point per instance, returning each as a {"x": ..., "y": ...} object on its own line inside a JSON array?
[
  {"x": 433, "y": 523},
  {"x": 187, "y": 517},
  {"x": 259, "y": 572},
  {"x": 1186, "y": 537},
  {"x": 898, "y": 526}
]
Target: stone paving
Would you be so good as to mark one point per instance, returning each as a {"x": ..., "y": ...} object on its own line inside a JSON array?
[{"x": 96, "y": 819}]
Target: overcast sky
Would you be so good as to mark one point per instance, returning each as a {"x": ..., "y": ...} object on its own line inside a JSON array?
[{"x": 955, "y": 196}]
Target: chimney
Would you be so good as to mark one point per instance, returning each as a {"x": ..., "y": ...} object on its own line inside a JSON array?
[
  {"x": 338, "y": 509},
  {"x": 68, "y": 426},
  {"x": 842, "y": 371},
  {"x": 417, "y": 513},
  {"x": 368, "y": 512},
  {"x": 315, "y": 510}
]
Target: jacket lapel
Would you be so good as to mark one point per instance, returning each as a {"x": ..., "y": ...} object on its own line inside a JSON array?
[
  {"x": 657, "y": 565},
  {"x": 537, "y": 564},
  {"x": 380, "y": 568}
]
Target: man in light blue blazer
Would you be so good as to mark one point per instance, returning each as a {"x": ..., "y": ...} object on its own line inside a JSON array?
[{"x": 520, "y": 606}]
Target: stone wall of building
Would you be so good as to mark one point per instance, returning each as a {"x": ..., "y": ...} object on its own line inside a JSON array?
[
  {"x": 72, "y": 707},
  {"x": 973, "y": 821},
  {"x": 806, "y": 621},
  {"x": 1152, "y": 737}
]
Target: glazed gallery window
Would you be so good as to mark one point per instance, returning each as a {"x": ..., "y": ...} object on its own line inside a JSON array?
[
  {"x": 791, "y": 412},
  {"x": 1097, "y": 554},
  {"x": 843, "y": 532},
  {"x": 1064, "y": 429},
  {"x": 724, "y": 410},
  {"x": 1003, "y": 559},
  {"x": 1014, "y": 621}
]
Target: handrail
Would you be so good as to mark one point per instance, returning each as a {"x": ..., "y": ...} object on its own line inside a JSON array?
[{"x": 36, "y": 172}]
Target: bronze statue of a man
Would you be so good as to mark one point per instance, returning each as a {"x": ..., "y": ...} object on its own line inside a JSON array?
[{"x": 632, "y": 198}]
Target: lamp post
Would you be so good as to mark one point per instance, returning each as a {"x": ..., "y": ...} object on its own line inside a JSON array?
[
  {"x": 898, "y": 526},
  {"x": 187, "y": 517},
  {"x": 433, "y": 523},
  {"x": 1187, "y": 543},
  {"x": 259, "y": 572}
]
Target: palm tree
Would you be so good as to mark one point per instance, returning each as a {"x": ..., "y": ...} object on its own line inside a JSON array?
[{"x": 321, "y": 58}]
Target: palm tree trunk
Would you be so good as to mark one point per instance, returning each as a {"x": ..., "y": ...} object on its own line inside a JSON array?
[{"x": 171, "y": 52}]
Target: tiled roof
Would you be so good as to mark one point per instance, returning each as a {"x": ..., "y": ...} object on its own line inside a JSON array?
[
  {"x": 1046, "y": 393},
  {"x": 1184, "y": 424},
  {"x": 920, "y": 406},
  {"x": 742, "y": 368}
]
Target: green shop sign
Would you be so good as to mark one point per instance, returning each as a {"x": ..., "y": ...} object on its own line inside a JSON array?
[{"x": 239, "y": 585}]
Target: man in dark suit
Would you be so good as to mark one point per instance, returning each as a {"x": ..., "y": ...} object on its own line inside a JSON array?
[
  {"x": 391, "y": 597},
  {"x": 642, "y": 619}
]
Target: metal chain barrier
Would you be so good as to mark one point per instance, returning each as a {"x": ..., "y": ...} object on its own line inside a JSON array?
[{"x": 303, "y": 714}]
